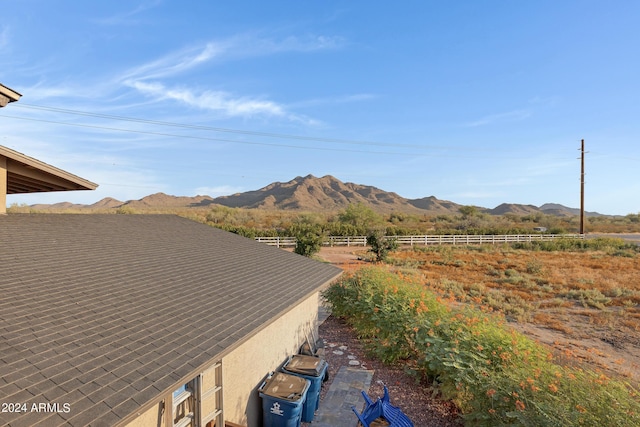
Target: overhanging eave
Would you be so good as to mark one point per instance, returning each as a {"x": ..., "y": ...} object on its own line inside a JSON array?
[
  {"x": 28, "y": 175},
  {"x": 7, "y": 95}
]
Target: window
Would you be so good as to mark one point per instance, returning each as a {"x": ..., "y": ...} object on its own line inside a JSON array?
[
  {"x": 198, "y": 403},
  {"x": 185, "y": 404}
]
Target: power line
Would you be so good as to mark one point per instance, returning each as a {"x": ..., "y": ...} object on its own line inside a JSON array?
[
  {"x": 241, "y": 131},
  {"x": 210, "y": 138},
  {"x": 252, "y": 133}
]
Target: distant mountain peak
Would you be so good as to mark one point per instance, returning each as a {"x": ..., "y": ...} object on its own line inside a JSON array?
[
  {"x": 107, "y": 202},
  {"x": 317, "y": 194},
  {"x": 310, "y": 193}
]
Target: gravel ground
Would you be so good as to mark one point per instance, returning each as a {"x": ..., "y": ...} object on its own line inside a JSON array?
[{"x": 342, "y": 347}]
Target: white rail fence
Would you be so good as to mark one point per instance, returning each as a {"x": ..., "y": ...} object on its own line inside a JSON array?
[{"x": 466, "y": 239}]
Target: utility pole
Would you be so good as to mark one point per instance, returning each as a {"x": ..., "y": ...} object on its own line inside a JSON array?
[{"x": 582, "y": 188}]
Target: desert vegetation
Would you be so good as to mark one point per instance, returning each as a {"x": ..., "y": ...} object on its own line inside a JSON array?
[
  {"x": 467, "y": 351},
  {"x": 359, "y": 219},
  {"x": 523, "y": 279}
]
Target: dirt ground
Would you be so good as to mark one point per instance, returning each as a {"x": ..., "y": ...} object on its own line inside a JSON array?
[
  {"x": 612, "y": 351},
  {"x": 343, "y": 256}
]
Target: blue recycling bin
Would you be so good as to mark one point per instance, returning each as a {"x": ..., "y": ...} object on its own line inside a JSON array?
[
  {"x": 313, "y": 369},
  {"x": 283, "y": 396}
]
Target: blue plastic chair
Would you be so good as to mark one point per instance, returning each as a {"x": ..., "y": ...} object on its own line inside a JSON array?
[{"x": 382, "y": 408}]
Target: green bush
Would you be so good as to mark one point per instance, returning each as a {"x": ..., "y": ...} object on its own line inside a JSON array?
[
  {"x": 607, "y": 244},
  {"x": 589, "y": 297},
  {"x": 496, "y": 376},
  {"x": 381, "y": 245},
  {"x": 308, "y": 243}
]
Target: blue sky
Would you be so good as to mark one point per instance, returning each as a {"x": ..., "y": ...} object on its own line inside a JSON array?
[{"x": 475, "y": 102}]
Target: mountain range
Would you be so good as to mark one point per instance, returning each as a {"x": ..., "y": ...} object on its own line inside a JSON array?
[{"x": 310, "y": 193}]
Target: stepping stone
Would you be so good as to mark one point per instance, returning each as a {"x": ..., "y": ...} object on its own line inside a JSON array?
[{"x": 344, "y": 392}]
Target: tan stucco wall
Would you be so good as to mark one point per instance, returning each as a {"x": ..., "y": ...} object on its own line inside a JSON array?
[
  {"x": 246, "y": 366},
  {"x": 154, "y": 417}
]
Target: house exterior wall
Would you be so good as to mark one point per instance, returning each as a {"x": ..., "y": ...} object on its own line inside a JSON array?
[
  {"x": 244, "y": 368},
  {"x": 154, "y": 417}
]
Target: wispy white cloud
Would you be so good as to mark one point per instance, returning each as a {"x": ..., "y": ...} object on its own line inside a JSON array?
[
  {"x": 150, "y": 78},
  {"x": 511, "y": 116},
  {"x": 42, "y": 90},
  {"x": 209, "y": 100},
  {"x": 128, "y": 18},
  {"x": 174, "y": 63},
  {"x": 252, "y": 45},
  {"x": 345, "y": 99},
  {"x": 549, "y": 101},
  {"x": 240, "y": 46},
  {"x": 4, "y": 37},
  {"x": 220, "y": 102}
]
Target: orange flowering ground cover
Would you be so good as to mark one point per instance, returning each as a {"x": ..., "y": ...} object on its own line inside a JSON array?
[{"x": 586, "y": 305}]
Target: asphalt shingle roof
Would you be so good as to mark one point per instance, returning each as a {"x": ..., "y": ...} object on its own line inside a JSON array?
[{"x": 108, "y": 312}]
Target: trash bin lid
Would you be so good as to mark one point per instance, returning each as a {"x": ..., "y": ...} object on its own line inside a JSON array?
[
  {"x": 285, "y": 387},
  {"x": 306, "y": 365}
]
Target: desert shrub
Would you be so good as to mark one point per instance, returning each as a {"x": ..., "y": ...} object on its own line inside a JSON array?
[
  {"x": 492, "y": 271},
  {"x": 510, "y": 272},
  {"x": 452, "y": 288},
  {"x": 20, "y": 208},
  {"x": 249, "y": 232},
  {"x": 308, "y": 233},
  {"x": 534, "y": 267},
  {"x": 607, "y": 244},
  {"x": 496, "y": 376},
  {"x": 513, "y": 306},
  {"x": 308, "y": 242},
  {"x": 589, "y": 297},
  {"x": 125, "y": 210},
  {"x": 381, "y": 245},
  {"x": 620, "y": 292},
  {"x": 557, "y": 230},
  {"x": 394, "y": 230},
  {"x": 628, "y": 253},
  {"x": 476, "y": 290},
  {"x": 341, "y": 229},
  {"x": 404, "y": 262}
]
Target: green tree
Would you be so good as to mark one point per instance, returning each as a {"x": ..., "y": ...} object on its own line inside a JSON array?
[
  {"x": 308, "y": 244},
  {"x": 468, "y": 211},
  {"x": 360, "y": 216},
  {"x": 381, "y": 245},
  {"x": 309, "y": 235}
]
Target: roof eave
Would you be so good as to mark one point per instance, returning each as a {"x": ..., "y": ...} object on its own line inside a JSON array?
[
  {"x": 38, "y": 171},
  {"x": 7, "y": 95}
]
